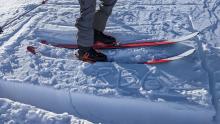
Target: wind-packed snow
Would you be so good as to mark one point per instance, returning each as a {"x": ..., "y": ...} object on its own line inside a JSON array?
[
  {"x": 17, "y": 113},
  {"x": 106, "y": 110},
  {"x": 193, "y": 80}
]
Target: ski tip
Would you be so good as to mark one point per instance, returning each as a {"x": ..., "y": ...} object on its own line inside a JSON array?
[
  {"x": 187, "y": 53},
  {"x": 165, "y": 60},
  {"x": 183, "y": 38},
  {"x": 196, "y": 33}
]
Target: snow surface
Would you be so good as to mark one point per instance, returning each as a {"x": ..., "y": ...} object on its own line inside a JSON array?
[
  {"x": 193, "y": 80},
  {"x": 17, "y": 113},
  {"x": 106, "y": 110}
]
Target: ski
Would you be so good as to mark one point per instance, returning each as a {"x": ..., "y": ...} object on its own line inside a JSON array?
[
  {"x": 169, "y": 59},
  {"x": 126, "y": 45},
  {"x": 34, "y": 51}
]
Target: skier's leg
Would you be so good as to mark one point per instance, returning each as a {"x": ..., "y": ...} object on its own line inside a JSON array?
[
  {"x": 101, "y": 16},
  {"x": 86, "y": 33},
  {"x": 100, "y": 20},
  {"x": 85, "y": 36}
]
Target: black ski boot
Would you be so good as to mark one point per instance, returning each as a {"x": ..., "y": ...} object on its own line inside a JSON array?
[
  {"x": 88, "y": 54},
  {"x": 100, "y": 37}
]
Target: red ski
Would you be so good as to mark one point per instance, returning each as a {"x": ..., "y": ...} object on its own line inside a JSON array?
[
  {"x": 125, "y": 45},
  {"x": 169, "y": 59},
  {"x": 35, "y": 51}
]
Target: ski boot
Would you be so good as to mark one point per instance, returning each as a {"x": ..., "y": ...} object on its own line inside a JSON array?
[
  {"x": 102, "y": 39},
  {"x": 88, "y": 54}
]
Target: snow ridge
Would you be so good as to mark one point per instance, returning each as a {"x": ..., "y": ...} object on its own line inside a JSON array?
[{"x": 105, "y": 110}]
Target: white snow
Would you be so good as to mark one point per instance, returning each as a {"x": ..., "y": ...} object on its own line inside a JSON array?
[
  {"x": 105, "y": 110},
  {"x": 14, "y": 112},
  {"x": 189, "y": 83}
]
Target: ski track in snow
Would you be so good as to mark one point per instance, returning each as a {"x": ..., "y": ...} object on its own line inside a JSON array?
[{"x": 193, "y": 80}]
